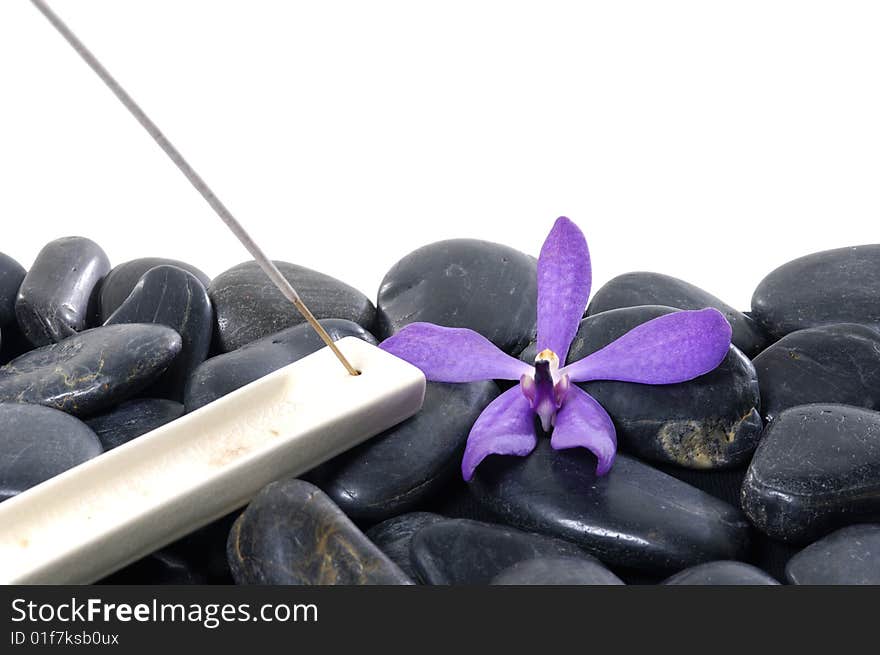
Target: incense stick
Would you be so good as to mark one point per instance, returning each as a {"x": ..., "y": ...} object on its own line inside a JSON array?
[{"x": 194, "y": 178}]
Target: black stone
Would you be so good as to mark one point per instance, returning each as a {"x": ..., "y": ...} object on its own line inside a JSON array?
[
  {"x": 465, "y": 552},
  {"x": 837, "y": 364},
  {"x": 171, "y": 296},
  {"x": 54, "y": 301},
  {"x": 293, "y": 534},
  {"x": 249, "y": 306},
  {"x": 123, "y": 278},
  {"x": 132, "y": 419},
  {"x": 641, "y": 288},
  {"x": 707, "y": 423},
  {"x": 393, "y": 537},
  {"x": 556, "y": 571},
  {"x": 817, "y": 469},
  {"x": 635, "y": 516},
  {"x": 396, "y": 470},
  {"x": 92, "y": 370},
  {"x": 222, "y": 374},
  {"x": 725, "y": 573},
  {"x": 833, "y": 286},
  {"x": 38, "y": 443},
  {"x": 849, "y": 556},
  {"x": 11, "y": 275},
  {"x": 466, "y": 283}
]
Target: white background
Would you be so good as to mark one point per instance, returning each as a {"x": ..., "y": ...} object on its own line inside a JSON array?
[{"x": 712, "y": 141}]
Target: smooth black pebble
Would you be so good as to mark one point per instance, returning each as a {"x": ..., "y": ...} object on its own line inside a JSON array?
[
  {"x": 55, "y": 298},
  {"x": 38, "y": 443},
  {"x": 710, "y": 422},
  {"x": 634, "y": 517},
  {"x": 249, "y": 306},
  {"x": 465, "y": 552},
  {"x": 642, "y": 288},
  {"x": 171, "y": 296},
  {"x": 222, "y": 374},
  {"x": 393, "y": 537},
  {"x": 849, "y": 556},
  {"x": 466, "y": 283},
  {"x": 833, "y": 364},
  {"x": 133, "y": 418},
  {"x": 817, "y": 469},
  {"x": 726, "y": 573},
  {"x": 122, "y": 279},
  {"x": 90, "y": 371},
  {"x": 293, "y": 534},
  {"x": 408, "y": 463},
  {"x": 833, "y": 286},
  {"x": 556, "y": 571}
]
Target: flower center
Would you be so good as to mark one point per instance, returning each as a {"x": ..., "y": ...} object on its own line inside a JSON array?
[{"x": 546, "y": 389}]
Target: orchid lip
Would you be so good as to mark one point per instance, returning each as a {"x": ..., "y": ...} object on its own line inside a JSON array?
[{"x": 546, "y": 389}]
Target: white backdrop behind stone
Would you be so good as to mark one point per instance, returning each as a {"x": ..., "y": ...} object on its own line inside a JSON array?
[{"x": 705, "y": 140}]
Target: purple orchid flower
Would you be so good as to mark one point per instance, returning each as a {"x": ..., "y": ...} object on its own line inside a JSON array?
[{"x": 666, "y": 350}]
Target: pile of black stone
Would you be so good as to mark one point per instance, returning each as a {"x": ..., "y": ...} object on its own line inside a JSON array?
[{"x": 766, "y": 469}]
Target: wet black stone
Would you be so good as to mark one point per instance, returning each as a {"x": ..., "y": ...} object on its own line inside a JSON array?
[
  {"x": 465, "y": 552},
  {"x": 467, "y": 283},
  {"x": 833, "y": 364},
  {"x": 722, "y": 573},
  {"x": 394, "y": 471},
  {"x": 556, "y": 571},
  {"x": 393, "y": 537},
  {"x": 641, "y": 288},
  {"x": 849, "y": 556},
  {"x": 833, "y": 286},
  {"x": 707, "y": 423},
  {"x": 121, "y": 280},
  {"x": 222, "y": 374},
  {"x": 90, "y": 371},
  {"x": 132, "y": 419},
  {"x": 817, "y": 469},
  {"x": 250, "y": 307},
  {"x": 293, "y": 534},
  {"x": 54, "y": 301},
  {"x": 38, "y": 443},
  {"x": 11, "y": 275},
  {"x": 171, "y": 296},
  {"x": 159, "y": 568},
  {"x": 635, "y": 516}
]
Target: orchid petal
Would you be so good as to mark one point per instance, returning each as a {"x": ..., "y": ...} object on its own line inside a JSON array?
[
  {"x": 453, "y": 354},
  {"x": 506, "y": 427},
  {"x": 668, "y": 349},
  {"x": 564, "y": 278},
  {"x": 582, "y": 421}
]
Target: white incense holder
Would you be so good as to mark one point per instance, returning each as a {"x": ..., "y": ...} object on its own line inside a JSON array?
[{"x": 116, "y": 508}]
